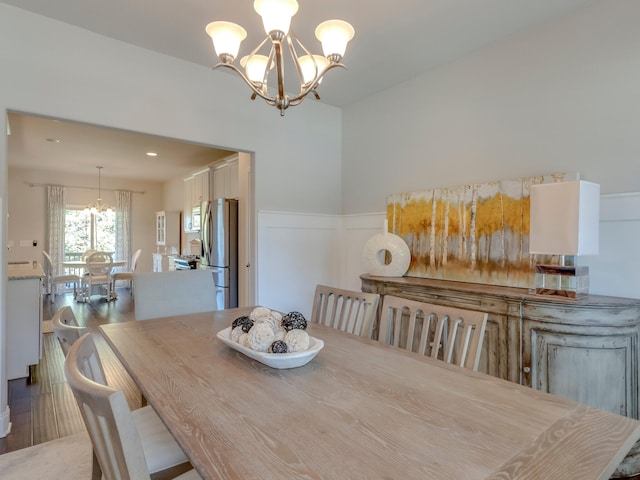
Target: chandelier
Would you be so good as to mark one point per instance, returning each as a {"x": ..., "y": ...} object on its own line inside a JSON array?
[
  {"x": 276, "y": 18},
  {"x": 98, "y": 207}
]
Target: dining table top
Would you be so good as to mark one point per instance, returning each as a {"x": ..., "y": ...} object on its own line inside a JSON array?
[
  {"x": 359, "y": 409},
  {"x": 83, "y": 263}
]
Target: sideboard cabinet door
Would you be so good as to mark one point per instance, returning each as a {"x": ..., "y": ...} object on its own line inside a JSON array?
[{"x": 588, "y": 364}]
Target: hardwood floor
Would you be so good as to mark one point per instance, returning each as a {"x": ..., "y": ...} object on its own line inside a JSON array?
[{"x": 45, "y": 409}]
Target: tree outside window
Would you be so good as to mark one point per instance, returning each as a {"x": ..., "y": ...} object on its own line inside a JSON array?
[{"x": 86, "y": 231}]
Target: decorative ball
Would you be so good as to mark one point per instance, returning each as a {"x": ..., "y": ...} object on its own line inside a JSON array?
[
  {"x": 297, "y": 340},
  {"x": 294, "y": 320},
  {"x": 278, "y": 347},
  {"x": 242, "y": 321},
  {"x": 258, "y": 312},
  {"x": 260, "y": 337}
]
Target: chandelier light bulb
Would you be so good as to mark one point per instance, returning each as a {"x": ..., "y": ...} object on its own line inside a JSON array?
[
  {"x": 334, "y": 36},
  {"x": 276, "y": 14},
  {"x": 226, "y": 38},
  {"x": 256, "y": 67},
  {"x": 309, "y": 64}
]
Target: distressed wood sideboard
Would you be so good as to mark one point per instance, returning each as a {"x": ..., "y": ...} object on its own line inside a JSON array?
[{"x": 585, "y": 350}]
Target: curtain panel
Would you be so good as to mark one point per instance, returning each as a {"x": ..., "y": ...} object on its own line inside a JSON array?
[
  {"x": 123, "y": 228},
  {"x": 56, "y": 206}
]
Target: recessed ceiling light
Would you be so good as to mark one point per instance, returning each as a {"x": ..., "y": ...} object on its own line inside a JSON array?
[
  {"x": 152, "y": 154},
  {"x": 52, "y": 140}
]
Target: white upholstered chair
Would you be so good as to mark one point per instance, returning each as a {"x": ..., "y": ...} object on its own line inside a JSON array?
[
  {"x": 126, "y": 444},
  {"x": 128, "y": 276},
  {"x": 53, "y": 280},
  {"x": 346, "y": 310},
  {"x": 454, "y": 335},
  {"x": 98, "y": 272},
  {"x": 65, "y": 328}
]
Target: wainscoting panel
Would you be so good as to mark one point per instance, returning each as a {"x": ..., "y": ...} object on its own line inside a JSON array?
[
  {"x": 356, "y": 230},
  {"x": 616, "y": 270},
  {"x": 296, "y": 252}
]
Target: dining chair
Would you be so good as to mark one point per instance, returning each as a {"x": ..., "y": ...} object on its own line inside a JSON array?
[
  {"x": 53, "y": 280},
  {"x": 454, "y": 335},
  {"x": 66, "y": 329},
  {"x": 86, "y": 253},
  {"x": 126, "y": 444},
  {"x": 349, "y": 311},
  {"x": 98, "y": 272},
  {"x": 128, "y": 276}
]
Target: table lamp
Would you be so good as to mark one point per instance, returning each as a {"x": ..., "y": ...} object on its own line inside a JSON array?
[{"x": 564, "y": 222}]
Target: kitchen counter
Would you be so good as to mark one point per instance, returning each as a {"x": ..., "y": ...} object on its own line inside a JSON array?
[{"x": 24, "y": 271}]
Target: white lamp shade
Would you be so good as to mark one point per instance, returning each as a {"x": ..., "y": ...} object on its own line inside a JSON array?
[
  {"x": 334, "y": 36},
  {"x": 255, "y": 66},
  {"x": 564, "y": 218},
  {"x": 276, "y": 14},
  {"x": 226, "y": 37},
  {"x": 309, "y": 64}
]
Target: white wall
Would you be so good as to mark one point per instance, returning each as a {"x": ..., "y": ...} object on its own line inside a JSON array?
[
  {"x": 561, "y": 97},
  {"x": 58, "y": 70},
  {"x": 27, "y": 209}
]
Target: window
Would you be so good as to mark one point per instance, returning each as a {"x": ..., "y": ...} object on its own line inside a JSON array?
[{"x": 86, "y": 231}]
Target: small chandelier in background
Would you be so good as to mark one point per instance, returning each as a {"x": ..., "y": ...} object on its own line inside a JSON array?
[
  {"x": 98, "y": 207},
  {"x": 276, "y": 18}
]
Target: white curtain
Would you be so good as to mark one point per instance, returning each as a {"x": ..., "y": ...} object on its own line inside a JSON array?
[
  {"x": 55, "y": 225},
  {"x": 123, "y": 228}
]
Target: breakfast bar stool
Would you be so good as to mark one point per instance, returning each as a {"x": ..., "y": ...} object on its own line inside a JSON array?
[{"x": 126, "y": 444}]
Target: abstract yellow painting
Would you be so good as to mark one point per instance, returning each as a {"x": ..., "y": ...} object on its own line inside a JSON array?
[{"x": 472, "y": 233}]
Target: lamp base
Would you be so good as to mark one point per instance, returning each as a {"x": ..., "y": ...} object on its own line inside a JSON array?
[{"x": 568, "y": 281}]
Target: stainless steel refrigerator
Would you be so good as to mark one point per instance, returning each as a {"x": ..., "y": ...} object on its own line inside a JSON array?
[{"x": 219, "y": 235}]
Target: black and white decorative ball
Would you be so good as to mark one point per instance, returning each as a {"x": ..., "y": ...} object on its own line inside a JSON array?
[
  {"x": 245, "y": 322},
  {"x": 294, "y": 320},
  {"x": 278, "y": 347}
]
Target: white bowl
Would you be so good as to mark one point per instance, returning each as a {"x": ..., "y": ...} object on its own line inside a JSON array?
[{"x": 275, "y": 360}]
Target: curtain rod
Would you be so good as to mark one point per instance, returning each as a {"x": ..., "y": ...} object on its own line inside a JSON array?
[{"x": 32, "y": 184}]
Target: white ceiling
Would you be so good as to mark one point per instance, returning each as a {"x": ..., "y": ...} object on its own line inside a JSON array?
[{"x": 394, "y": 42}]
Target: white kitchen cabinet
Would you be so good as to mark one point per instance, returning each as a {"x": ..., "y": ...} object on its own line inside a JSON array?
[
  {"x": 225, "y": 179},
  {"x": 163, "y": 263},
  {"x": 168, "y": 229},
  {"x": 24, "y": 321},
  {"x": 200, "y": 191}
]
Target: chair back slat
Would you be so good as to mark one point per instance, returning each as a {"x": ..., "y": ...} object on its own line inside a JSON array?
[
  {"x": 346, "y": 310},
  {"x": 454, "y": 335}
]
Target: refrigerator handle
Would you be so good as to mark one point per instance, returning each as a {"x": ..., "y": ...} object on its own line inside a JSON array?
[{"x": 204, "y": 232}]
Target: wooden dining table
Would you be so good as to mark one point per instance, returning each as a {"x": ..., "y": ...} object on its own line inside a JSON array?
[{"x": 358, "y": 410}]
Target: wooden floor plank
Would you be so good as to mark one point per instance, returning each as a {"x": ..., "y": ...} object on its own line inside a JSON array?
[
  {"x": 45, "y": 427},
  {"x": 68, "y": 418}
]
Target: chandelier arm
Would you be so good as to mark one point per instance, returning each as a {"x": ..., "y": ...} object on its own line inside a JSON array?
[
  {"x": 290, "y": 38},
  {"x": 298, "y": 99},
  {"x": 279, "y": 69},
  {"x": 271, "y": 101}
]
